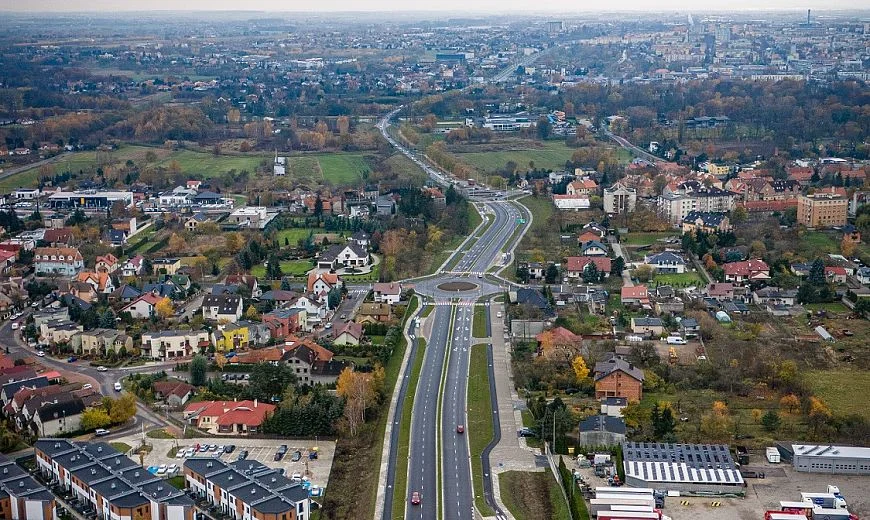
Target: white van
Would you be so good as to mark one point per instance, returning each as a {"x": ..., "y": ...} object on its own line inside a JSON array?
[
  {"x": 100, "y": 432},
  {"x": 676, "y": 340},
  {"x": 118, "y": 386}
]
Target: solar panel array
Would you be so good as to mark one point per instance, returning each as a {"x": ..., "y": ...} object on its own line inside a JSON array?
[{"x": 698, "y": 463}]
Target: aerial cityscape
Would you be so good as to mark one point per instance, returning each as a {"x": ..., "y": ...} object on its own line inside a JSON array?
[{"x": 387, "y": 262}]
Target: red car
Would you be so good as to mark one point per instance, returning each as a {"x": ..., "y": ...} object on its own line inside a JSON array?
[
  {"x": 415, "y": 498},
  {"x": 460, "y": 428}
]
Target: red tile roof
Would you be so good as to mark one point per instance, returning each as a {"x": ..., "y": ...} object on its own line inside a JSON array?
[
  {"x": 249, "y": 413},
  {"x": 578, "y": 263},
  {"x": 746, "y": 268},
  {"x": 634, "y": 292}
]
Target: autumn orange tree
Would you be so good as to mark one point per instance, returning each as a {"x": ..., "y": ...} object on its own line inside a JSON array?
[
  {"x": 164, "y": 308},
  {"x": 717, "y": 424},
  {"x": 357, "y": 390}
]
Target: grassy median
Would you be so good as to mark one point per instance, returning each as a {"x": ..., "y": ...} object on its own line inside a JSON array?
[
  {"x": 479, "y": 427},
  {"x": 400, "y": 483},
  {"x": 478, "y": 326}
]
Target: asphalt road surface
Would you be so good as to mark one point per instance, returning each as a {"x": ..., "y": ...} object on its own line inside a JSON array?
[{"x": 455, "y": 464}]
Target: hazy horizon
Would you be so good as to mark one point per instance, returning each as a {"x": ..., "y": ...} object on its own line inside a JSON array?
[{"x": 445, "y": 6}]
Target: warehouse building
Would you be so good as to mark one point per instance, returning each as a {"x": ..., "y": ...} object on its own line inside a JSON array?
[
  {"x": 247, "y": 489},
  {"x": 687, "y": 468},
  {"x": 113, "y": 486},
  {"x": 838, "y": 460}
]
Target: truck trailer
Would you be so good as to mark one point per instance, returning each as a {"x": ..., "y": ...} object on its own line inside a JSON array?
[
  {"x": 825, "y": 500},
  {"x": 772, "y": 455}
]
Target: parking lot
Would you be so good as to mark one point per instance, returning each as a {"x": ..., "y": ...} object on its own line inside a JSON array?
[
  {"x": 781, "y": 482},
  {"x": 261, "y": 450}
]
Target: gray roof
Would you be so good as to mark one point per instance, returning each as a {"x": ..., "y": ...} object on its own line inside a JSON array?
[
  {"x": 14, "y": 481},
  {"x": 603, "y": 423},
  {"x": 665, "y": 257},
  {"x": 227, "y": 303},
  {"x": 261, "y": 487},
  {"x": 605, "y": 368},
  {"x": 707, "y": 218},
  {"x": 647, "y": 321},
  {"x": 707, "y": 464}
]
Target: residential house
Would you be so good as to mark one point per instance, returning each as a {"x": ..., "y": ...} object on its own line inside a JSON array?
[
  {"x": 349, "y": 333},
  {"x": 228, "y": 417},
  {"x": 571, "y": 202},
  {"x": 132, "y": 267},
  {"x": 720, "y": 291},
  {"x": 313, "y": 364},
  {"x": 387, "y": 292},
  {"x": 222, "y": 307},
  {"x": 635, "y": 295},
  {"x": 559, "y": 343},
  {"x": 648, "y": 326},
  {"x": 338, "y": 256},
  {"x": 107, "y": 264},
  {"x": 99, "y": 342},
  {"x": 143, "y": 307},
  {"x": 362, "y": 239},
  {"x": 835, "y": 274},
  {"x": 747, "y": 271},
  {"x": 165, "y": 266},
  {"x": 584, "y": 186},
  {"x": 615, "y": 377},
  {"x": 588, "y": 235},
  {"x": 315, "y": 312},
  {"x": 666, "y": 262},
  {"x": 532, "y": 298},
  {"x": 231, "y": 336},
  {"x": 172, "y": 344},
  {"x": 248, "y": 281},
  {"x": 283, "y": 322},
  {"x": 56, "y": 332},
  {"x": 690, "y": 328},
  {"x": 373, "y": 313},
  {"x": 612, "y": 406},
  {"x": 58, "y": 418},
  {"x": 593, "y": 248},
  {"x": 774, "y": 296},
  {"x": 124, "y": 294},
  {"x": 194, "y": 222},
  {"x": 706, "y": 222},
  {"x": 100, "y": 281},
  {"x": 173, "y": 392},
  {"x": 575, "y": 266},
  {"x": 64, "y": 261},
  {"x": 601, "y": 430},
  {"x": 321, "y": 283}
]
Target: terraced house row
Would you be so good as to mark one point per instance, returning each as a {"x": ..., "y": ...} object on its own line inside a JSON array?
[
  {"x": 247, "y": 489},
  {"x": 116, "y": 487}
]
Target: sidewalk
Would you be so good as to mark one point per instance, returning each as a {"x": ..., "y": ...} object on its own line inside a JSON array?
[{"x": 511, "y": 452}]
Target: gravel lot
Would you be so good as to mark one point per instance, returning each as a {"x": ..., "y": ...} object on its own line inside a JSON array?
[
  {"x": 262, "y": 450},
  {"x": 781, "y": 482}
]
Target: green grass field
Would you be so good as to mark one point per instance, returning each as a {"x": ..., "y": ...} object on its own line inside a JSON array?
[
  {"x": 401, "y": 482},
  {"x": 288, "y": 268},
  {"x": 336, "y": 168},
  {"x": 679, "y": 280},
  {"x": 294, "y": 235},
  {"x": 479, "y": 427},
  {"x": 838, "y": 388},
  {"x": 552, "y": 155},
  {"x": 121, "y": 446},
  {"x": 533, "y": 495},
  {"x": 209, "y": 166},
  {"x": 478, "y": 327}
]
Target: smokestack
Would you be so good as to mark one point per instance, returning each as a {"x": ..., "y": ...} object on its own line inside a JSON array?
[{"x": 808, "y": 16}]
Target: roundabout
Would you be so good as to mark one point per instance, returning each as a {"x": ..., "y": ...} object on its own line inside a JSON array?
[{"x": 458, "y": 286}]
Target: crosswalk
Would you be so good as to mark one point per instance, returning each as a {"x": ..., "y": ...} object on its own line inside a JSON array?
[
  {"x": 460, "y": 303},
  {"x": 464, "y": 273}
]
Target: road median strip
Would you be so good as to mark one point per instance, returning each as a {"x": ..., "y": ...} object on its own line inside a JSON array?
[
  {"x": 400, "y": 483},
  {"x": 480, "y": 424}
]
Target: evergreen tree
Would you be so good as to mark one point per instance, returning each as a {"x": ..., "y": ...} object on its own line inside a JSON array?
[
  {"x": 107, "y": 319},
  {"x": 817, "y": 273}
]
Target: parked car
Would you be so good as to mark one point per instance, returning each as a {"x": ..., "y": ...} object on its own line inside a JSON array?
[
  {"x": 230, "y": 448},
  {"x": 242, "y": 455},
  {"x": 676, "y": 340},
  {"x": 15, "y": 326},
  {"x": 282, "y": 448},
  {"x": 296, "y": 456},
  {"x": 99, "y": 432},
  {"x": 278, "y": 456},
  {"x": 71, "y": 359},
  {"x": 180, "y": 454},
  {"x": 40, "y": 353}
]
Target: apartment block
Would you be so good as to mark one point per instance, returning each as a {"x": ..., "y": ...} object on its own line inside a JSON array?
[
  {"x": 114, "y": 486},
  {"x": 247, "y": 489},
  {"x": 823, "y": 209}
]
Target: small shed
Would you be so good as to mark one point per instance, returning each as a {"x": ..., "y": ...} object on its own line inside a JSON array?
[{"x": 824, "y": 334}]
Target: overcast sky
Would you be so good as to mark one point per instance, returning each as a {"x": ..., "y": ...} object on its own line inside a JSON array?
[{"x": 495, "y": 6}]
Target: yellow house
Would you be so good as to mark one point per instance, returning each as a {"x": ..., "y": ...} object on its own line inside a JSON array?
[{"x": 231, "y": 337}]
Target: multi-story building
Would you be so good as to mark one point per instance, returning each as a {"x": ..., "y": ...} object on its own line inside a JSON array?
[
  {"x": 676, "y": 202},
  {"x": 171, "y": 344},
  {"x": 89, "y": 199},
  {"x": 619, "y": 199},
  {"x": 246, "y": 490},
  {"x": 64, "y": 261},
  {"x": 22, "y": 497},
  {"x": 115, "y": 486},
  {"x": 825, "y": 208}
]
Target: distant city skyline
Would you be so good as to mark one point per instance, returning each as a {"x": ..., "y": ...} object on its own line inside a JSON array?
[{"x": 452, "y": 6}]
